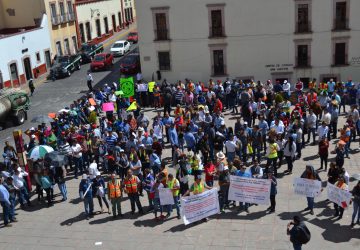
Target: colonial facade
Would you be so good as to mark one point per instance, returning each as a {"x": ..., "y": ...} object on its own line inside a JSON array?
[
  {"x": 97, "y": 20},
  {"x": 25, "y": 52},
  {"x": 250, "y": 39}
]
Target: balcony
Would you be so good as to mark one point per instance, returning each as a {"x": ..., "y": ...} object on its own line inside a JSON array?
[
  {"x": 303, "y": 62},
  {"x": 55, "y": 20},
  {"x": 162, "y": 35},
  {"x": 341, "y": 24},
  {"x": 216, "y": 32},
  {"x": 71, "y": 16},
  {"x": 303, "y": 28},
  {"x": 63, "y": 18}
]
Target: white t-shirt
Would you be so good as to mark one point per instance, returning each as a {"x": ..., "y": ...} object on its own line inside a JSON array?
[
  {"x": 76, "y": 150},
  {"x": 230, "y": 146}
]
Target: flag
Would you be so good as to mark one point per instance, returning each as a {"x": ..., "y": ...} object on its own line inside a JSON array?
[
  {"x": 132, "y": 107},
  {"x": 127, "y": 86}
]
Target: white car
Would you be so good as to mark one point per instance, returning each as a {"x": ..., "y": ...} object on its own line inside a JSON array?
[{"x": 119, "y": 48}]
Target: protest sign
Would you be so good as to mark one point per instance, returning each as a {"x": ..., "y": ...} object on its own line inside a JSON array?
[
  {"x": 307, "y": 187},
  {"x": 127, "y": 86},
  {"x": 166, "y": 196},
  {"x": 108, "y": 106},
  {"x": 338, "y": 195},
  {"x": 92, "y": 102},
  {"x": 249, "y": 190},
  {"x": 200, "y": 206},
  {"x": 119, "y": 92},
  {"x": 132, "y": 107}
]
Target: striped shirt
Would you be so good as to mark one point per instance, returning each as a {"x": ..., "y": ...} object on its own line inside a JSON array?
[{"x": 111, "y": 141}]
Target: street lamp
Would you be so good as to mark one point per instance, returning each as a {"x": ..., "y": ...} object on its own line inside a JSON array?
[{"x": 93, "y": 11}]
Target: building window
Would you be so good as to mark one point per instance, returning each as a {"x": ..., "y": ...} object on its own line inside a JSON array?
[
  {"x": 58, "y": 49},
  {"x": 71, "y": 16},
  {"x": 340, "y": 56},
  {"x": 67, "y": 46},
  {"x": 62, "y": 12},
  {"x": 98, "y": 27},
  {"x": 37, "y": 55},
  {"x": 88, "y": 31},
  {"x": 218, "y": 59},
  {"x": 161, "y": 27},
  {"x": 216, "y": 29},
  {"x": 82, "y": 32},
  {"x": 14, "y": 72},
  {"x": 216, "y": 20},
  {"x": 119, "y": 17},
  {"x": 302, "y": 59},
  {"x": 164, "y": 60},
  {"x": 74, "y": 43},
  {"x": 106, "y": 25},
  {"x": 303, "y": 16},
  {"x": 113, "y": 18},
  {"x": 341, "y": 21},
  {"x": 54, "y": 17}
]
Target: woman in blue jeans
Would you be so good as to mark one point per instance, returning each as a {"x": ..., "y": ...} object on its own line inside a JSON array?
[
  {"x": 356, "y": 206},
  {"x": 311, "y": 174}
]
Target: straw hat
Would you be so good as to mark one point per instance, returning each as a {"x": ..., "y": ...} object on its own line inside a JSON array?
[{"x": 220, "y": 155}]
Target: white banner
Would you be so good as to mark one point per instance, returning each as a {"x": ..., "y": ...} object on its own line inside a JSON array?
[
  {"x": 249, "y": 190},
  {"x": 307, "y": 187},
  {"x": 338, "y": 196},
  {"x": 166, "y": 196},
  {"x": 199, "y": 206}
]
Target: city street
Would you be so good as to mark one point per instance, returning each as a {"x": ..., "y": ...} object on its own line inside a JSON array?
[{"x": 52, "y": 96}]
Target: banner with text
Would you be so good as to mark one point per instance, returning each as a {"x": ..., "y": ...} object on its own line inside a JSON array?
[
  {"x": 249, "y": 190},
  {"x": 307, "y": 187},
  {"x": 338, "y": 195},
  {"x": 166, "y": 196},
  {"x": 200, "y": 206}
]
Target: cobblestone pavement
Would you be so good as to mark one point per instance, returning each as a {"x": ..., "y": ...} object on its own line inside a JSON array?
[{"x": 63, "y": 226}]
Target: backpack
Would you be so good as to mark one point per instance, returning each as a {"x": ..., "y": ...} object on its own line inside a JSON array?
[{"x": 303, "y": 235}]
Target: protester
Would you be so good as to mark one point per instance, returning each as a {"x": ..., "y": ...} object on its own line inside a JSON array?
[
  {"x": 273, "y": 192},
  {"x": 114, "y": 194},
  {"x": 311, "y": 174},
  {"x": 86, "y": 194},
  {"x": 131, "y": 183},
  {"x": 299, "y": 233}
]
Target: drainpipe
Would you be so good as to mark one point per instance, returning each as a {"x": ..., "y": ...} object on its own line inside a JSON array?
[
  {"x": 77, "y": 26},
  {"x": 122, "y": 13}
]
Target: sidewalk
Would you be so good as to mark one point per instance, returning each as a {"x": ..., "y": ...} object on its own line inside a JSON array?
[{"x": 107, "y": 43}]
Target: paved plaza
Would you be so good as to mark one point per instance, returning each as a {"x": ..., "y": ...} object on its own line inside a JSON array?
[{"x": 64, "y": 226}]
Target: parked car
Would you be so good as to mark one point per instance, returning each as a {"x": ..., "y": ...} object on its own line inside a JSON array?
[
  {"x": 133, "y": 37},
  {"x": 119, "y": 48},
  {"x": 130, "y": 64},
  {"x": 102, "y": 61},
  {"x": 88, "y": 51},
  {"x": 64, "y": 66}
]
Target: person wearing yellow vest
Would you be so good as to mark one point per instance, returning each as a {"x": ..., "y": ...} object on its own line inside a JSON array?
[
  {"x": 174, "y": 185},
  {"x": 272, "y": 156},
  {"x": 114, "y": 195},
  {"x": 339, "y": 210},
  {"x": 131, "y": 183}
]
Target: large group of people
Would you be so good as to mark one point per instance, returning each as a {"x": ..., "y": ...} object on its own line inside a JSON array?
[{"x": 127, "y": 147}]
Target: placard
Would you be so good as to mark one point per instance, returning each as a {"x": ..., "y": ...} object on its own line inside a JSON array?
[
  {"x": 199, "y": 206},
  {"x": 109, "y": 106},
  {"x": 307, "y": 187},
  {"x": 338, "y": 195},
  {"x": 166, "y": 196},
  {"x": 251, "y": 190}
]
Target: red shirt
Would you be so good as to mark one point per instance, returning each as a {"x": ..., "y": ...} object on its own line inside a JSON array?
[
  {"x": 218, "y": 106},
  {"x": 209, "y": 168}
]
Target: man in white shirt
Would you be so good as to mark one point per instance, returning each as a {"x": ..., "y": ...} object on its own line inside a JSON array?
[
  {"x": 311, "y": 125},
  {"x": 231, "y": 147},
  {"x": 89, "y": 80},
  {"x": 278, "y": 125},
  {"x": 21, "y": 189},
  {"x": 323, "y": 130},
  {"x": 76, "y": 153},
  {"x": 286, "y": 88}
]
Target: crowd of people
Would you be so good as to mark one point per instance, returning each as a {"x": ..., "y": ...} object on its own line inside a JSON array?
[{"x": 128, "y": 147}]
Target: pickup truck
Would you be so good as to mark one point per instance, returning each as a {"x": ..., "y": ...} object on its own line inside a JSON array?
[
  {"x": 64, "y": 66},
  {"x": 88, "y": 51}
]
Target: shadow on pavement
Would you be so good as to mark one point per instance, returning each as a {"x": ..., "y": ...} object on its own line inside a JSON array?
[
  {"x": 73, "y": 220},
  {"x": 310, "y": 158},
  {"x": 75, "y": 201},
  {"x": 148, "y": 223}
]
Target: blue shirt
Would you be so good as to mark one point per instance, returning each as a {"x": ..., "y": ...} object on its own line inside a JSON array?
[
  {"x": 331, "y": 86},
  {"x": 4, "y": 195},
  {"x": 243, "y": 174},
  {"x": 264, "y": 126},
  {"x": 83, "y": 186},
  {"x": 167, "y": 121},
  {"x": 174, "y": 139},
  {"x": 190, "y": 140},
  {"x": 147, "y": 141}
]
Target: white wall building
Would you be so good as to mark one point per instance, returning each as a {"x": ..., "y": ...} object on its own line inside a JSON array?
[
  {"x": 25, "y": 54},
  {"x": 244, "y": 39},
  {"x": 98, "y": 20}
]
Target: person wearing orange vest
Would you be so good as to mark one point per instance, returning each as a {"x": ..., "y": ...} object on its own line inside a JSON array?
[
  {"x": 345, "y": 134},
  {"x": 312, "y": 84},
  {"x": 131, "y": 183},
  {"x": 174, "y": 185},
  {"x": 311, "y": 97},
  {"x": 114, "y": 195},
  {"x": 323, "y": 87}
]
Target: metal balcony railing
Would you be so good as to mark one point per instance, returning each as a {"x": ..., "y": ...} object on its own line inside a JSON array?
[
  {"x": 71, "y": 16},
  {"x": 162, "y": 34},
  {"x": 217, "y": 32},
  {"x": 341, "y": 24},
  {"x": 55, "y": 20}
]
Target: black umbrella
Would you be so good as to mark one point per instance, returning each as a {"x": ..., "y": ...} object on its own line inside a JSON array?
[
  {"x": 56, "y": 158},
  {"x": 41, "y": 119}
]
